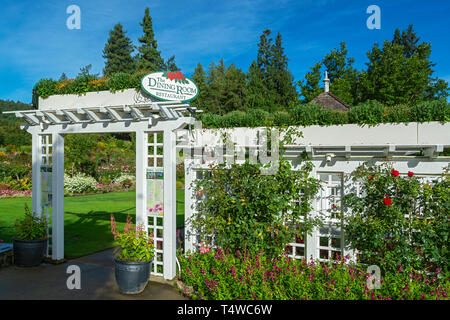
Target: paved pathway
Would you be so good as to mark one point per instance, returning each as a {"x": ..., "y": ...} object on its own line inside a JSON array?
[{"x": 97, "y": 282}]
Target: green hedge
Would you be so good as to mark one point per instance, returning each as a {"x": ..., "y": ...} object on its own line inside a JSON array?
[{"x": 369, "y": 113}]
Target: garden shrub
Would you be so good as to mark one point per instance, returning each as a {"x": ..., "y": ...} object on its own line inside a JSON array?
[
  {"x": 245, "y": 210},
  {"x": 438, "y": 110},
  {"x": 370, "y": 112},
  {"x": 306, "y": 115},
  {"x": 79, "y": 183},
  {"x": 218, "y": 275},
  {"x": 282, "y": 118},
  {"x": 399, "y": 221}
]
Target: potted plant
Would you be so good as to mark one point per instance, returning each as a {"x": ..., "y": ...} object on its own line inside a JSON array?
[
  {"x": 30, "y": 242},
  {"x": 133, "y": 259}
]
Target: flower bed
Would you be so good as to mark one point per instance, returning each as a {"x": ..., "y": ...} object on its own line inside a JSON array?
[
  {"x": 15, "y": 193},
  {"x": 215, "y": 275}
]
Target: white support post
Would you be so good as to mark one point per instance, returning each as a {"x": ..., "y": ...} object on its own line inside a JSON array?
[
  {"x": 311, "y": 239},
  {"x": 189, "y": 200},
  {"x": 170, "y": 212},
  {"x": 36, "y": 173},
  {"x": 58, "y": 197},
  {"x": 141, "y": 194}
]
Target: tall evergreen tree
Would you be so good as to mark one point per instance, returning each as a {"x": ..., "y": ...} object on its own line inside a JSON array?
[
  {"x": 149, "y": 58},
  {"x": 281, "y": 79},
  {"x": 199, "y": 78},
  {"x": 117, "y": 52},
  {"x": 216, "y": 85},
  {"x": 264, "y": 53},
  {"x": 233, "y": 91},
  {"x": 257, "y": 94},
  {"x": 270, "y": 84}
]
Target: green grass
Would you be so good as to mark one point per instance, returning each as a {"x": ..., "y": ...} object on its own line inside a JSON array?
[{"x": 86, "y": 219}]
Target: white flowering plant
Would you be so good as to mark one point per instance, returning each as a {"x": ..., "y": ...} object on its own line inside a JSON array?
[{"x": 79, "y": 183}]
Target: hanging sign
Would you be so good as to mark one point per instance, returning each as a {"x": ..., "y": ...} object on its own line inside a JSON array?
[
  {"x": 155, "y": 191},
  {"x": 169, "y": 86}
]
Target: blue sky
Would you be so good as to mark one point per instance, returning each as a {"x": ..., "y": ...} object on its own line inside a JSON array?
[{"x": 35, "y": 42}]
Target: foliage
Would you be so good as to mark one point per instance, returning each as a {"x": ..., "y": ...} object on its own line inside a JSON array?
[
  {"x": 117, "y": 52},
  {"x": 135, "y": 244},
  {"x": 31, "y": 226},
  {"x": 79, "y": 183},
  {"x": 105, "y": 159},
  {"x": 245, "y": 210},
  {"x": 398, "y": 72},
  {"x": 218, "y": 275},
  {"x": 371, "y": 112},
  {"x": 399, "y": 220},
  {"x": 149, "y": 58}
]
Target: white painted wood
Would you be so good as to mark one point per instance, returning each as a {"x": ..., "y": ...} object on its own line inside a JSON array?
[
  {"x": 170, "y": 204},
  {"x": 141, "y": 185},
  {"x": 58, "y": 197},
  {"x": 100, "y": 99},
  {"x": 36, "y": 156},
  {"x": 189, "y": 200}
]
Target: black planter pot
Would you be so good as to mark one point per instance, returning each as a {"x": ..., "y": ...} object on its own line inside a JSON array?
[
  {"x": 132, "y": 277},
  {"x": 29, "y": 253}
]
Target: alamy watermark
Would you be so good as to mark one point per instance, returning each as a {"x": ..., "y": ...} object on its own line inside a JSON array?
[
  {"x": 74, "y": 20},
  {"x": 74, "y": 280},
  {"x": 374, "y": 20},
  {"x": 261, "y": 147},
  {"x": 374, "y": 280}
]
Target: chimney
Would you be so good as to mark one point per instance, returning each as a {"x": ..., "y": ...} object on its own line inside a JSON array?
[{"x": 326, "y": 81}]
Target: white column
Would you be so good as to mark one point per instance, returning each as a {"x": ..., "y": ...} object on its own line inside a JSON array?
[
  {"x": 189, "y": 200},
  {"x": 58, "y": 197},
  {"x": 311, "y": 240},
  {"x": 141, "y": 192},
  {"x": 36, "y": 155},
  {"x": 170, "y": 207}
]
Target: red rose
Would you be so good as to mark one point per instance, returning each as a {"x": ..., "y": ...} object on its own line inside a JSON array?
[
  {"x": 371, "y": 177},
  {"x": 395, "y": 173},
  {"x": 387, "y": 201},
  {"x": 410, "y": 174},
  {"x": 179, "y": 75},
  {"x": 171, "y": 75}
]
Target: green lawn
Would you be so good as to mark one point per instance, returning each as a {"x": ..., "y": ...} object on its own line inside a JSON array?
[{"x": 86, "y": 219}]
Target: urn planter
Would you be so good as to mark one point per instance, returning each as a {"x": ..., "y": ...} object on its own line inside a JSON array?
[
  {"x": 29, "y": 253},
  {"x": 132, "y": 277}
]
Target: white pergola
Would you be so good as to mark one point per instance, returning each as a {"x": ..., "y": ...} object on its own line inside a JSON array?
[
  {"x": 335, "y": 151},
  {"x": 106, "y": 112}
]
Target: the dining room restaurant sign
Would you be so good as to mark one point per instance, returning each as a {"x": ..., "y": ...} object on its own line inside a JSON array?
[{"x": 169, "y": 86}]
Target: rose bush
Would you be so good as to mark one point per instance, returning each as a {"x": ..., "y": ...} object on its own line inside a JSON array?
[{"x": 399, "y": 220}]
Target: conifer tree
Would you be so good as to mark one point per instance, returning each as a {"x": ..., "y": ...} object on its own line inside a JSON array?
[
  {"x": 281, "y": 79},
  {"x": 199, "y": 78},
  {"x": 117, "y": 52},
  {"x": 149, "y": 58}
]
